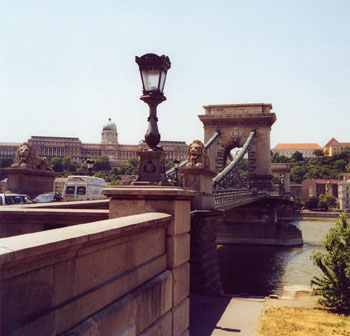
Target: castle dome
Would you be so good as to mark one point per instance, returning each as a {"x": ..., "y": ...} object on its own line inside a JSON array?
[{"x": 109, "y": 126}]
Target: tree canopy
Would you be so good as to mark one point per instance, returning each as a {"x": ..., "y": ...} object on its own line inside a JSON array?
[
  {"x": 334, "y": 284},
  {"x": 321, "y": 167}
]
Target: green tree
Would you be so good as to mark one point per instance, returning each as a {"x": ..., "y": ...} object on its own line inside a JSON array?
[
  {"x": 56, "y": 164},
  {"x": 329, "y": 200},
  {"x": 102, "y": 175},
  {"x": 311, "y": 203},
  {"x": 334, "y": 284},
  {"x": 297, "y": 157},
  {"x": 318, "y": 153},
  {"x": 297, "y": 174},
  {"x": 102, "y": 164},
  {"x": 131, "y": 167},
  {"x": 297, "y": 203},
  {"x": 276, "y": 158},
  {"x": 67, "y": 163},
  {"x": 340, "y": 165}
]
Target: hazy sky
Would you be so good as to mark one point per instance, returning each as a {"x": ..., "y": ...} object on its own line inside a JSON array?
[{"x": 67, "y": 66}]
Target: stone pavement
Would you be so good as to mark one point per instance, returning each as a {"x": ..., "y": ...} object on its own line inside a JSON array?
[{"x": 220, "y": 316}]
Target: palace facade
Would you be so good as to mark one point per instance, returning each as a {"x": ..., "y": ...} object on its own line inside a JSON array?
[{"x": 48, "y": 146}]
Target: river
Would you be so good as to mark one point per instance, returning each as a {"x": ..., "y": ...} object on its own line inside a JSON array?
[{"x": 265, "y": 270}]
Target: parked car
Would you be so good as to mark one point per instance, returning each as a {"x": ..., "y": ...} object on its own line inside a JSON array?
[
  {"x": 47, "y": 198},
  {"x": 11, "y": 199}
]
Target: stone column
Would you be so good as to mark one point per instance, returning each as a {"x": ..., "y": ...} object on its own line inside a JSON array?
[
  {"x": 200, "y": 179},
  {"x": 133, "y": 200},
  {"x": 205, "y": 273}
]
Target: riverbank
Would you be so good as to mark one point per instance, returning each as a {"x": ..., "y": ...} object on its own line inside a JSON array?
[
  {"x": 307, "y": 214},
  {"x": 215, "y": 316}
]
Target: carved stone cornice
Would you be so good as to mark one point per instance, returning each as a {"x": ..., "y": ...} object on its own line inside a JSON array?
[{"x": 254, "y": 119}]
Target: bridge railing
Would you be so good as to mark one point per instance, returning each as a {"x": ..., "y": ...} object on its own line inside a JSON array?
[
  {"x": 226, "y": 196},
  {"x": 219, "y": 179}
]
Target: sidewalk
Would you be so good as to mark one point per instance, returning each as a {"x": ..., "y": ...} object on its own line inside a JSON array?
[{"x": 223, "y": 316}]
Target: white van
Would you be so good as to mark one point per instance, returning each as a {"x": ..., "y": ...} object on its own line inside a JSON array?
[{"x": 83, "y": 188}]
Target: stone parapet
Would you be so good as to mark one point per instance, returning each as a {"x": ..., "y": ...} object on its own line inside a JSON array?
[
  {"x": 16, "y": 220},
  {"x": 98, "y": 278}
]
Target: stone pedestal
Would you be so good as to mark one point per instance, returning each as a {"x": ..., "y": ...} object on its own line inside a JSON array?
[
  {"x": 200, "y": 179},
  {"x": 152, "y": 170},
  {"x": 131, "y": 200},
  {"x": 31, "y": 182}
]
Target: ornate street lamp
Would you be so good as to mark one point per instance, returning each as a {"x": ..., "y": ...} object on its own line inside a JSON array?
[
  {"x": 90, "y": 164},
  {"x": 176, "y": 167},
  {"x": 153, "y": 70}
]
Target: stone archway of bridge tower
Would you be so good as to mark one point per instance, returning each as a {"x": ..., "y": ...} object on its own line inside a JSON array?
[
  {"x": 231, "y": 140},
  {"x": 235, "y": 122}
]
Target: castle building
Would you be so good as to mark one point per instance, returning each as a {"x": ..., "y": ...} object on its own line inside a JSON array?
[{"x": 50, "y": 146}]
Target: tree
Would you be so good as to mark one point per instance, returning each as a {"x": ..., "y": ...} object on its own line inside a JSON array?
[
  {"x": 68, "y": 164},
  {"x": 318, "y": 153},
  {"x": 102, "y": 164},
  {"x": 334, "y": 284},
  {"x": 297, "y": 157},
  {"x": 276, "y": 158},
  {"x": 297, "y": 174},
  {"x": 329, "y": 200},
  {"x": 56, "y": 164},
  {"x": 340, "y": 164},
  {"x": 130, "y": 167},
  {"x": 311, "y": 203}
]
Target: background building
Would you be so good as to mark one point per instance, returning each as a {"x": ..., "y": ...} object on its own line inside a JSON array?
[
  {"x": 316, "y": 187},
  {"x": 49, "y": 146},
  {"x": 333, "y": 146},
  {"x": 288, "y": 149},
  {"x": 343, "y": 195}
]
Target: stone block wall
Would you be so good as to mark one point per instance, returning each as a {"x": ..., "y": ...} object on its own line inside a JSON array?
[
  {"x": 205, "y": 272},
  {"x": 108, "y": 278},
  {"x": 128, "y": 275}
]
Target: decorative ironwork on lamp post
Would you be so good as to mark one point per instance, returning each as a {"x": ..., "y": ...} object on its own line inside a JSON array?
[
  {"x": 153, "y": 71},
  {"x": 90, "y": 165},
  {"x": 176, "y": 167}
]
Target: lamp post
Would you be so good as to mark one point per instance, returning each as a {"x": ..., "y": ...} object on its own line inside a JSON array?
[
  {"x": 176, "y": 167},
  {"x": 153, "y": 71},
  {"x": 90, "y": 164}
]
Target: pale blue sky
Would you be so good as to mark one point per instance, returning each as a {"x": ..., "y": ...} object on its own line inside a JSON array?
[{"x": 67, "y": 66}]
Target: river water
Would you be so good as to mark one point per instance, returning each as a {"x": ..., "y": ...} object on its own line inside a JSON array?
[{"x": 265, "y": 270}]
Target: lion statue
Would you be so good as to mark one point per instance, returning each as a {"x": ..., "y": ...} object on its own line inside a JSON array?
[
  {"x": 197, "y": 156},
  {"x": 26, "y": 158}
]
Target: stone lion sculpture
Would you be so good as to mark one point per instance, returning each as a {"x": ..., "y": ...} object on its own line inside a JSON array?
[
  {"x": 26, "y": 158},
  {"x": 197, "y": 156}
]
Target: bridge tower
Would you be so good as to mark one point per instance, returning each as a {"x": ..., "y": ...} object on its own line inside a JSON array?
[{"x": 235, "y": 122}]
